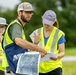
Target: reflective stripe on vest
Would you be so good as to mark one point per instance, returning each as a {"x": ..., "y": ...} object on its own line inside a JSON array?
[
  {"x": 7, "y": 39},
  {"x": 54, "y": 39},
  {"x": 51, "y": 46},
  {"x": 39, "y": 30}
]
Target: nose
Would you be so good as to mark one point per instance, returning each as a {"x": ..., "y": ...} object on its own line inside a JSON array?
[{"x": 46, "y": 25}]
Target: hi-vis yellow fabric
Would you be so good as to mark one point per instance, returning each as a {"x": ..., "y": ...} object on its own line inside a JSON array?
[
  {"x": 48, "y": 66},
  {"x": 8, "y": 40},
  {"x": 11, "y": 49},
  {"x": 4, "y": 63}
]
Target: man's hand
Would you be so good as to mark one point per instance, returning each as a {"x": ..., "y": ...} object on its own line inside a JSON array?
[{"x": 43, "y": 54}]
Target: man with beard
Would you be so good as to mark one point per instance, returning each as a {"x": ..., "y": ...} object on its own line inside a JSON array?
[{"x": 14, "y": 42}]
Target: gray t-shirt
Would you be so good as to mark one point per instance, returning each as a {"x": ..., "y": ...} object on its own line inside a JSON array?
[{"x": 15, "y": 31}]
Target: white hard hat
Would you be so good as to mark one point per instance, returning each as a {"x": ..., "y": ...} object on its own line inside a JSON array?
[{"x": 3, "y": 21}]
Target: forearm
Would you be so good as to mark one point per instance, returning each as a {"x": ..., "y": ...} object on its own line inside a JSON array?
[
  {"x": 28, "y": 45},
  {"x": 61, "y": 55},
  {"x": 61, "y": 50}
]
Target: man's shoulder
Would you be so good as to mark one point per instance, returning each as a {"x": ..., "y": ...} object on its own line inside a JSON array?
[
  {"x": 14, "y": 27},
  {"x": 14, "y": 24}
]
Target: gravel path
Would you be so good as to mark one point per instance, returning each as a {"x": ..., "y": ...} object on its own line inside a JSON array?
[{"x": 69, "y": 58}]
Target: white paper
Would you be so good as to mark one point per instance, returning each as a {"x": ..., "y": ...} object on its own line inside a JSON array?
[
  {"x": 29, "y": 63},
  {"x": 32, "y": 36},
  {"x": 47, "y": 57}
]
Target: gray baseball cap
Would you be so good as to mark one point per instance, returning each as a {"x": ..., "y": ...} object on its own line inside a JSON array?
[
  {"x": 49, "y": 17},
  {"x": 3, "y": 21}
]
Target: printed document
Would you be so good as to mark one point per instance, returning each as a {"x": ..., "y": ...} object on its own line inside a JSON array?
[
  {"x": 47, "y": 57},
  {"x": 29, "y": 63}
]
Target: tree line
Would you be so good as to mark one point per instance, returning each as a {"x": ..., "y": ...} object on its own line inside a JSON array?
[{"x": 66, "y": 15}]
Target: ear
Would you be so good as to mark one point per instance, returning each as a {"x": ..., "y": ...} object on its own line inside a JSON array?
[{"x": 19, "y": 13}]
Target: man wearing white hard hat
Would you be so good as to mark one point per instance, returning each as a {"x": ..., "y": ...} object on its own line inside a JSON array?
[
  {"x": 16, "y": 42},
  {"x": 3, "y": 25}
]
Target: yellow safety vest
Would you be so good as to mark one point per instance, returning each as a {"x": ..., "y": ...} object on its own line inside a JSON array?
[
  {"x": 4, "y": 63},
  {"x": 51, "y": 46},
  {"x": 7, "y": 39}
]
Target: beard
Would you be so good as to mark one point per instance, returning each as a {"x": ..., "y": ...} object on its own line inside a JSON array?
[{"x": 23, "y": 19}]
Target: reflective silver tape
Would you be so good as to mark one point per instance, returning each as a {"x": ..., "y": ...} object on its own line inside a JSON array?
[
  {"x": 39, "y": 30},
  {"x": 54, "y": 40}
]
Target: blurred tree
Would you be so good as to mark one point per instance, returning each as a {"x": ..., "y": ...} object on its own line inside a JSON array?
[
  {"x": 68, "y": 21},
  {"x": 66, "y": 15},
  {"x": 40, "y": 7}
]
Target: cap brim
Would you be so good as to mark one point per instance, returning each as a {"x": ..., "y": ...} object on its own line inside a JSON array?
[
  {"x": 3, "y": 23},
  {"x": 29, "y": 10},
  {"x": 45, "y": 21}
]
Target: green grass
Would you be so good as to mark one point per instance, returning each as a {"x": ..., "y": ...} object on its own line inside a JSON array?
[
  {"x": 70, "y": 51},
  {"x": 69, "y": 68}
]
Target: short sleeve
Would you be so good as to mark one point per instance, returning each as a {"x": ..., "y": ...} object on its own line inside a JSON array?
[
  {"x": 62, "y": 40},
  {"x": 15, "y": 31}
]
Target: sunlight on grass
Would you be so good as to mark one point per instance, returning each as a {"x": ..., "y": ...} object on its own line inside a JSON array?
[
  {"x": 69, "y": 68},
  {"x": 70, "y": 51}
]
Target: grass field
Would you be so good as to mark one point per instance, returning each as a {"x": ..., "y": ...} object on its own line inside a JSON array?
[
  {"x": 69, "y": 68},
  {"x": 70, "y": 51}
]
